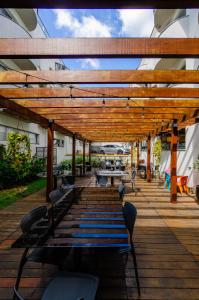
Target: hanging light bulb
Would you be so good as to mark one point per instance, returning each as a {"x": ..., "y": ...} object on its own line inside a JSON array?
[
  {"x": 71, "y": 94},
  {"x": 127, "y": 103},
  {"x": 103, "y": 102},
  {"x": 143, "y": 112}
]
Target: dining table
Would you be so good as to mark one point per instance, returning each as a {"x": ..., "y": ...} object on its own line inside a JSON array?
[
  {"x": 87, "y": 223},
  {"x": 112, "y": 174}
]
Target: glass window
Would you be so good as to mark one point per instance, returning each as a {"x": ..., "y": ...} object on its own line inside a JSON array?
[{"x": 2, "y": 133}]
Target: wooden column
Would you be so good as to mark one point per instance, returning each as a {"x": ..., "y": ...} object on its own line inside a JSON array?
[
  {"x": 138, "y": 154},
  {"x": 73, "y": 156},
  {"x": 174, "y": 141},
  {"x": 49, "y": 185},
  {"x": 84, "y": 167},
  {"x": 131, "y": 155},
  {"x": 89, "y": 153},
  {"x": 149, "y": 159}
]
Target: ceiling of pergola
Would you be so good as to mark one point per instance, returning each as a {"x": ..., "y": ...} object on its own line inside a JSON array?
[{"x": 102, "y": 113}]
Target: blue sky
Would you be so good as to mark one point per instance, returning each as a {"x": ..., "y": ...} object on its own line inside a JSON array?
[{"x": 98, "y": 23}]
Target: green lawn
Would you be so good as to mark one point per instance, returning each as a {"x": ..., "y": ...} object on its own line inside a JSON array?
[{"x": 9, "y": 196}]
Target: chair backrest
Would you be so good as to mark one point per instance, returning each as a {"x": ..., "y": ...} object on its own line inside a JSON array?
[
  {"x": 32, "y": 218},
  {"x": 101, "y": 180},
  {"x": 17, "y": 296},
  {"x": 133, "y": 173},
  {"x": 68, "y": 179},
  {"x": 121, "y": 190},
  {"x": 56, "y": 195},
  {"x": 130, "y": 213},
  {"x": 183, "y": 180}
]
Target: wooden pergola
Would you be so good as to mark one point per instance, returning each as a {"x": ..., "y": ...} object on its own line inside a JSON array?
[{"x": 128, "y": 114}]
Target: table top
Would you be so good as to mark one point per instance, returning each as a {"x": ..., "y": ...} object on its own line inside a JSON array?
[
  {"x": 88, "y": 223},
  {"x": 115, "y": 173}
]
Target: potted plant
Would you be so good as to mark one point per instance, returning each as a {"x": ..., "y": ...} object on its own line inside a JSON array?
[{"x": 196, "y": 168}]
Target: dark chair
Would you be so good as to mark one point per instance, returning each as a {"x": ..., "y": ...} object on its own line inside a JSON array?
[
  {"x": 130, "y": 213},
  {"x": 88, "y": 167},
  {"x": 65, "y": 285},
  {"x": 101, "y": 180},
  {"x": 121, "y": 190},
  {"x": 68, "y": 182},
  {"x": 70, "y": 286}
]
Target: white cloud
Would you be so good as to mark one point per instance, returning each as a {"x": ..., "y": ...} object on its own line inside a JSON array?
[
  {"x": 87, "y": 26},
  {"x": 136, "y": 22},
  {"x": 88, "y": 62}
]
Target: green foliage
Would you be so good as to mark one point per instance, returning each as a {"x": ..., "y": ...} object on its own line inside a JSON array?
[
  {"x": 66, "y": 165},
  {"x": 9, "y": 196},
  {"x": 157, "y": 150},
  {"x": 16, "y": 164},
  {"x": 196, "y": 164},
  {"x": 95, "y": 162}
]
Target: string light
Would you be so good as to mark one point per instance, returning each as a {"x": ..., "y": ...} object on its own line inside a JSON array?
[
  {"x": 127, "y": 103},
  {"x": 71, "y": 94},
  {"x": 142, "y": 112},
  {"x": 103, "y": 101}
]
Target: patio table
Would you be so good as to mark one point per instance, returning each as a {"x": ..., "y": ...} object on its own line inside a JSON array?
[
  {"x": 86, "y": 224},
  {"x": 112, "y": 174}
]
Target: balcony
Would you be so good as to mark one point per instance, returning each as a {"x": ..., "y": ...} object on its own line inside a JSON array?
[
  {"x": 29, "y": 18},
  {"x": 163, "y": 17},
  {"x": 14, "y": 30}
]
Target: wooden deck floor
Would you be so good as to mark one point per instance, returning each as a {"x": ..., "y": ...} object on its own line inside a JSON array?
[{"x": 166, "y": 240}]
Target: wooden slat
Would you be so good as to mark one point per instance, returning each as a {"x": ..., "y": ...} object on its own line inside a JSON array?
[
  {"x": 96, "y": 92},
  {"x": 111, "y": 103},
  {"x": 100, "y": 76},
  {"x": 99, "y": 47},
  {"x": 102, "y": 4}
]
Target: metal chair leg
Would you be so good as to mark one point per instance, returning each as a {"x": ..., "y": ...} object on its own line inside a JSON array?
[{"x": 136, "y": 270}]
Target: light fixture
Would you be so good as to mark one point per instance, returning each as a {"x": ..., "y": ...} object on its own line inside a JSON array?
[
  {"x": 127, "y": 103},
  {"x": 2, "y": 109},
  {"x": 103, "y": 102},
  {"x": 71, "y": 94},
  {"x": 142, "y": 112}
]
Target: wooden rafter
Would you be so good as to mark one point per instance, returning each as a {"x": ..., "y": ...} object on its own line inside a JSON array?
[
  {"x": 100, "y": 76},
  {"x": 111, "y": 103},
  {"x": 96, "y": 92},
  {"x": 99, "y": 47}
]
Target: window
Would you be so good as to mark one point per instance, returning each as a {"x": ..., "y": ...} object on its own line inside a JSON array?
[
  {"x": 58, "y": 142},
  {"x": 5, "y": 130},
  {"x": 41, "y": 152},
  {"x": 166, "y": 140}
]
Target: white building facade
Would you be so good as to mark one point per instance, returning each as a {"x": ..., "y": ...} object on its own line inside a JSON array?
[
  {"x": 26, "y": 23},
  {"x": 177, "y": 23}
]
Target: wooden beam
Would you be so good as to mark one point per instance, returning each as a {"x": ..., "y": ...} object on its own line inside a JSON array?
[
  {"x": 149, "y": 158},
  {"x": 74, "y": 155},
  {"x": 89, "y": 4},
  {"x": 110, "y": 103},
  {"x": 99, "y": 76},
  {"x": 98, "y": 47},
  {"x": 98, "y": 92},
  {"x": 49, "y": 185},
  {"x": 174, "y": 141},
  {"x": 107, "y": 111}
]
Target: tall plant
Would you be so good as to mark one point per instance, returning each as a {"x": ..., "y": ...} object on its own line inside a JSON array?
[
  {"x": 19, "y": 154},
  {"x": 157, "y": 149}
]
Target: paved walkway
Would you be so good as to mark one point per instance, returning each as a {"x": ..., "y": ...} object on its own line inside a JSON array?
[{"x": 166, "y": 239}]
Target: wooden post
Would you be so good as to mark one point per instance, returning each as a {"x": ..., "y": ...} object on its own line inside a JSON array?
[
  {"x": 138, "y": 154},
  {"x": 84, "y": 167},
  {"x": 49, "y": 185},
  {"x": 89, "y": 153},
  {"x": 73, "y": 156},
  {"x": 174, "y": 140},
  {"x": 149, "y": 159},
  {"x": 131, "y": 155}
]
